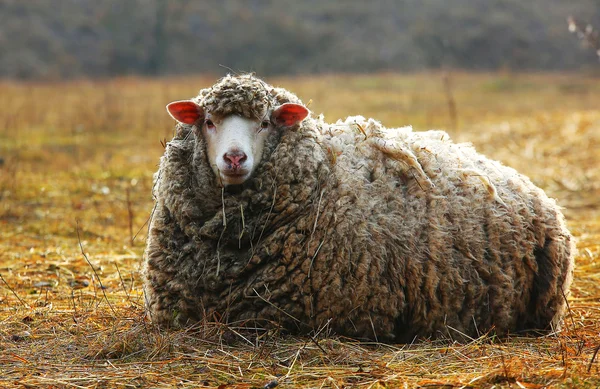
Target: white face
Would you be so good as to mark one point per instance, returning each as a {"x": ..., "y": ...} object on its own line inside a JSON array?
[{"x": 234, "y": 146}]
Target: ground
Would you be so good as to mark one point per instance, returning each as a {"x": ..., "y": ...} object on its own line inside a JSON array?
[{"x": 76, "y": 165}]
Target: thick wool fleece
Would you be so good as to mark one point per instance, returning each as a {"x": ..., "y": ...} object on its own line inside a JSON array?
[
  {"x": 243, "y": 95},
  {"x": 385, "y": 234}
]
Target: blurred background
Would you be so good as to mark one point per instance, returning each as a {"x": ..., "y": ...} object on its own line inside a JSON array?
[{"x": 44, "y": 39}]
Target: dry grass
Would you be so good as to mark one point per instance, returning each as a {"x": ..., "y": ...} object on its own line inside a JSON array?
[{"x": 81, "y": 155}]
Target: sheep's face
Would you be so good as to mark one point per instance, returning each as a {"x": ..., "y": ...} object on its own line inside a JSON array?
[{"x": 234, "y": 144}]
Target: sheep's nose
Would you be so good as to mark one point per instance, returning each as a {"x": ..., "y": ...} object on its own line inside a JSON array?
[{"x": 235, "y": 158}]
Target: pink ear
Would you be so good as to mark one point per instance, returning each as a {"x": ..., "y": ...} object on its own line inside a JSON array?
[
  {"x": 185, "y": 111},
  {"x": 289, "y": 114}
]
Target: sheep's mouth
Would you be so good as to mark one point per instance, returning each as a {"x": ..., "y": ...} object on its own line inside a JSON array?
[
  {"x": 235, "y": 173},
  {"x": 233, "y": 177}
]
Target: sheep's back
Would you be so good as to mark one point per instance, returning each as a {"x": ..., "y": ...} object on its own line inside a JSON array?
[{"x": 467, "y": 243}]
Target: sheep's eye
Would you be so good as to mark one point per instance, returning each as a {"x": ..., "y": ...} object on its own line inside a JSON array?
[
  {"x": 209, "y": 124},
  {"x": 264, "y": 124}
]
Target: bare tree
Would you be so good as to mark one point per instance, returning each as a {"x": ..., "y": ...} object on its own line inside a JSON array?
[{"x": 587, "y": 34}]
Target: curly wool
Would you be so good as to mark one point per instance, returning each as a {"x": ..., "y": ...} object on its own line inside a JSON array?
[
  {"x": 385, "y": 234},
  {"x": 243, "y": 95}
]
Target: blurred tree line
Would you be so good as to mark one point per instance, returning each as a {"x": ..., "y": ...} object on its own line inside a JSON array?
[{"x": 75, "y": 38}]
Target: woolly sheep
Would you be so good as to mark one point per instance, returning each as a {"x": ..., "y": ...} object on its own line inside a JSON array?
[{"x": 383, "y": 234}]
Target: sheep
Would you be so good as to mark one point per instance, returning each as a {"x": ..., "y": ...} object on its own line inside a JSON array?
[{"x": 266, "y": 215}]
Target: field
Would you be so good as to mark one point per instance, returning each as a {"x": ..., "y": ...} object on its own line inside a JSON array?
[{"x": 76, "y": 165}]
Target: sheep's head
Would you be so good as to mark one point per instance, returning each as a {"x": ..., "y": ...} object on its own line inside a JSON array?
[{"x": 234, "y": 143}]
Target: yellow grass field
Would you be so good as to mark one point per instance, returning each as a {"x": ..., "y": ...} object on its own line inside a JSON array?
[{"x": 76, "y": 165}]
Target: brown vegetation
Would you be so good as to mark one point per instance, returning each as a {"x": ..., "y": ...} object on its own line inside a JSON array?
[{"x": 76, "y": 161}]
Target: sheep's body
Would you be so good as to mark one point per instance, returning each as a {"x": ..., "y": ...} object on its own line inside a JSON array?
[{"x": 384, "y": 234}]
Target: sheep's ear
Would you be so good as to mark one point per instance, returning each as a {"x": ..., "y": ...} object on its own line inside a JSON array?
[
  {"x": 289, "y": 114},
  {"x": 185, "y": 111}
]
